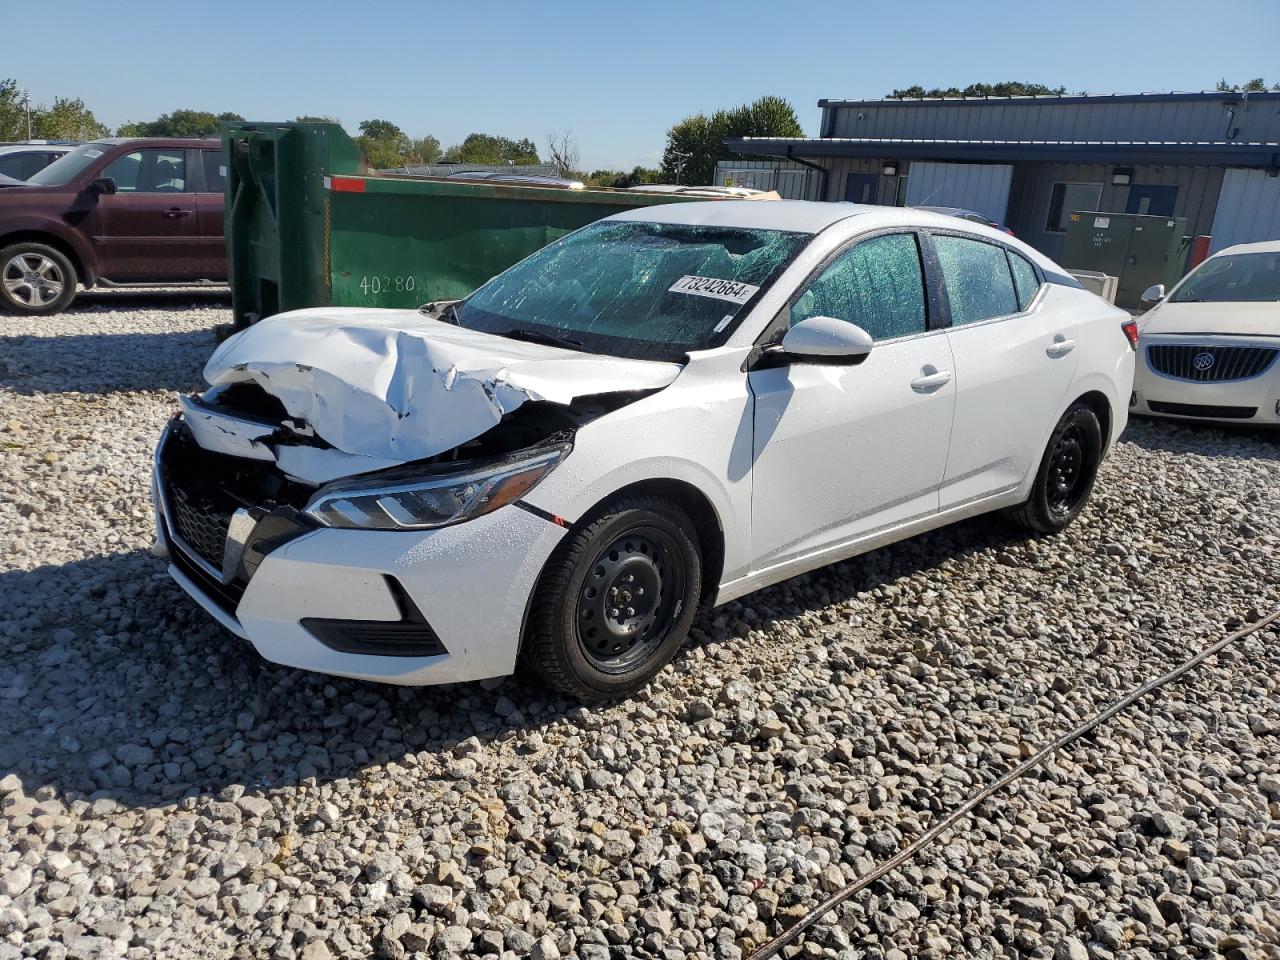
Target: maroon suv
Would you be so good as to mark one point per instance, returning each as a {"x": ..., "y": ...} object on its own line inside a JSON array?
[{"x": 110, "y": 213}]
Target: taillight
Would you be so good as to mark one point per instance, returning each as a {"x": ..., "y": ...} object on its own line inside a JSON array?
[{"x": 1130, "y": 328}]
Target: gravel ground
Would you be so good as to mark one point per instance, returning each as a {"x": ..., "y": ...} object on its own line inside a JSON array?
[{"x": 166, "y": 793}]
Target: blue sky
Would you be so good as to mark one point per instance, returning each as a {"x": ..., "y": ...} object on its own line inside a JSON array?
[{"x": 616, "y": 75}]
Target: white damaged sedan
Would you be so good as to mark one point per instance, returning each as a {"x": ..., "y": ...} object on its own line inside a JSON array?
[{"x": 659, "y": 412}]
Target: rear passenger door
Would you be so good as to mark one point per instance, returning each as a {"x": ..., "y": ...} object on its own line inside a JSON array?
[
  {"x": 146, "y": 230},
  {"x": 1014, "y": 362},
  {"x": 210, "y": 200}
]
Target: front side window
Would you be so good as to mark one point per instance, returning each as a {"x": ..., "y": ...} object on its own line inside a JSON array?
[
  {"x": 149, "y": 171},
  {"x": 876, "y": 284},
  {"x": 652, "y": 291},
  {"x": 977, "y": 276},
  {"x": 1025, "y": 281},
  {"x": 1238, "y": 278},
  {"x": 1067, "y": 198}
]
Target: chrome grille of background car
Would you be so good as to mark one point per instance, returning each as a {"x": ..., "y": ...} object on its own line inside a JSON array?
[{"x": 1229, "y": 363}]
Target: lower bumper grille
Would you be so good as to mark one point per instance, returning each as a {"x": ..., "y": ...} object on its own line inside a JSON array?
[{"x": 1202, "y": 410}]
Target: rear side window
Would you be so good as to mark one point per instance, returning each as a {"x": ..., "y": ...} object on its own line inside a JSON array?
[
  {"x": 215, "y": 174},
  {"x": 876, "y": 284},
  {"x": 979, "y": 284},
  {"x": 1024, "y": 279}
]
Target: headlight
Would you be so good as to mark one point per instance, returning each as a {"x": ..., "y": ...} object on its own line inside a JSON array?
[{"x": 431, "y": 500}]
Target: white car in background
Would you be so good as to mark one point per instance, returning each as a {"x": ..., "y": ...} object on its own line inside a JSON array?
[
  {"x": 662, "y": 411},
  {"x": 1210, "y": 348},
  {"x": 19, "y": 161}
]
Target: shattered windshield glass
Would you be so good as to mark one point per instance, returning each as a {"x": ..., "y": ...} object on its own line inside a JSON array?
[{"x": 651, "y": 291}]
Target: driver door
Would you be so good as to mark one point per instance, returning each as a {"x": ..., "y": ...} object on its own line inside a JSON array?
[
  {"x": 147, "y": 230},
  {"x": 842, "y": 452}
]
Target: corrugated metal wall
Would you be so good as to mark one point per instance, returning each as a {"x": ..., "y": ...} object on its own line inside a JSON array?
[
  {"x": 1154, "y": 119},
  {"x": 793, "y": 181},
  {"x": 982, "y": 187},
  {"x": 1248, "y": 209},
  {"x": 1032, "y": 187}
]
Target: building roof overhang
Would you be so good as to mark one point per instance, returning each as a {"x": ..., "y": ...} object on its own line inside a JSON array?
[{"x": 1264, "y": 155}]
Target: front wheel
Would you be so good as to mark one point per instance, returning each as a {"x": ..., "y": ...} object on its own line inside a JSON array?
[
  {"x": 1066, "y": 475},
  {"x": 35, "y": 279},
  {"x": 615, "y": 600}
]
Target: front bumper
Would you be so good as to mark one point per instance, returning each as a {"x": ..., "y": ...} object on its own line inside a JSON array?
[
  {"x": 471, "y": 582},
  {"x": 1251, "y": 401}
]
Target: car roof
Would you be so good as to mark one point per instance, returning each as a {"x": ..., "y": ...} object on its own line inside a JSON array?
[
  {"x": 37, "y": 147},
  {"x": 1264, "y": 246},
  {"x": 799, "y": 216},
  {"x": 164, "y": 141}
]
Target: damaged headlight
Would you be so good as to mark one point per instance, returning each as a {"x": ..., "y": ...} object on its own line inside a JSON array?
[{"x": 433, "y": 500}]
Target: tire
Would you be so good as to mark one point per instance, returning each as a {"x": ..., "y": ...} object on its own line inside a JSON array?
[
  {"x": 36, "y": 279},
  {"x": 581, "y": 644},
  {"x": 1066, "y": 475}
]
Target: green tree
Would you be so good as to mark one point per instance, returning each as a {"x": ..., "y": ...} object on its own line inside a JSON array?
[
  {"x": 310, "y": 119},
  {"x": 1256, "y": 85},
  {"x": 13, "y": 116},
  {"x": 697, "y": 142},
  {"x": 383, "y": 143},
  {"x": 1009, "y": 88},
  {"x": 424, "y": 150},
  {"x": 179, "y": 123},
  {"x": 488, "y": 149},
  {"x": 67, "y": 119}
]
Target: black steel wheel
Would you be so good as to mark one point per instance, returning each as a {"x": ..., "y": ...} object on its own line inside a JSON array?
[
  {"x": 615, "y": 600},
  {"x": 1067, "y": 472}
]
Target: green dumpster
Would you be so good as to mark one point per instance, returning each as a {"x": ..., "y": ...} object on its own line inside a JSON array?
[{"x": 307, "y": 224}]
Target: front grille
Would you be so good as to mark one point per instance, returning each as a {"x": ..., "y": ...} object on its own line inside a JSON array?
[
  {"x": 1202, "y": 410},
  {"x": 226, "y": 595},
  {"x": 200, "y": 521},
  {"x": 1203, "y": 364}
]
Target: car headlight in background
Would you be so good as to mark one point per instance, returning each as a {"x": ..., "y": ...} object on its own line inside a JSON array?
[{"x": 432, "y": 499}]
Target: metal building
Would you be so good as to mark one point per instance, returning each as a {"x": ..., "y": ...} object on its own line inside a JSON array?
[{"x": 1029, "y": 162}]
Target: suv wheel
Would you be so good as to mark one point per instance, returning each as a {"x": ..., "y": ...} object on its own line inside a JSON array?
[
  {"x": 615, "y": 600},
  {"x": 35, "y": 279}
]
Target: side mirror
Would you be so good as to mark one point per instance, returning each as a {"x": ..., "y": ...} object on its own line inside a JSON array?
[
  {"x": 103, "y": 185},
  {"x": 826, "y": 340},
  {"x": 1153, "y": 293}
]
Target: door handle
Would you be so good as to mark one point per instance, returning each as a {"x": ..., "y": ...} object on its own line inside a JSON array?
[
  {"x": 932, "y": 378},
  {"x": 1060, "y": 347},
  {"x": 174, "y": 212}
]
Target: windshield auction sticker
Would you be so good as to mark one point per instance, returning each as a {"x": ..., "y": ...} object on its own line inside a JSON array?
[{"x": 711, "y": 287}]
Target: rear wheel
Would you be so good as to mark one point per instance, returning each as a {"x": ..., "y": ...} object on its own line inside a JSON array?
[
  {"x": 615, "y": 600},
  {"x": 35, "y": 279},
  {"x": 1066, "y": 475}
]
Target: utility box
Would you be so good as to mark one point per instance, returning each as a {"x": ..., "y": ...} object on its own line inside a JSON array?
[{"x": 1138, "y": 250}]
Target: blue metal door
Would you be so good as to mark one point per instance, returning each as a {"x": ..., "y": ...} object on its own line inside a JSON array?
[
  {"x": 1152, "y": 200},
  {"x": 860, "y": 187}
]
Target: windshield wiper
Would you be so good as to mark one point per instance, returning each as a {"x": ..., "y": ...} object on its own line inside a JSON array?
[{"x": 538, "y": 336}]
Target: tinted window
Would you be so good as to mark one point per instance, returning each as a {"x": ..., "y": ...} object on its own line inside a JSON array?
[
  {"x": 876, "y": 284},
  {"x": 634, "y": 289},
  {"x": 149, "y": 171},
  {"x": 977, "y": 277},
  {"x": 1239, "y": 278},
  {"x": 15, "y": 165},
  {"x": 215, "y": 173},
  {"x": 1024, "y": 279}
]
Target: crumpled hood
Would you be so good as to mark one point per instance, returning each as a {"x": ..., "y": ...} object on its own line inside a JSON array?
[
  {"x": 1239, "y": 319},
  {"x": 397, "y": 386}
]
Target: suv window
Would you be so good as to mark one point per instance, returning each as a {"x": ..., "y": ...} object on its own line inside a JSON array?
[
  {"x": 979, "y": 284},
  {"x": 1024, "y": 278},
  {"x": 215, "y": 174},
  {"x": 877, "y": 284},
  {"x": 149, "y": 171}
]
